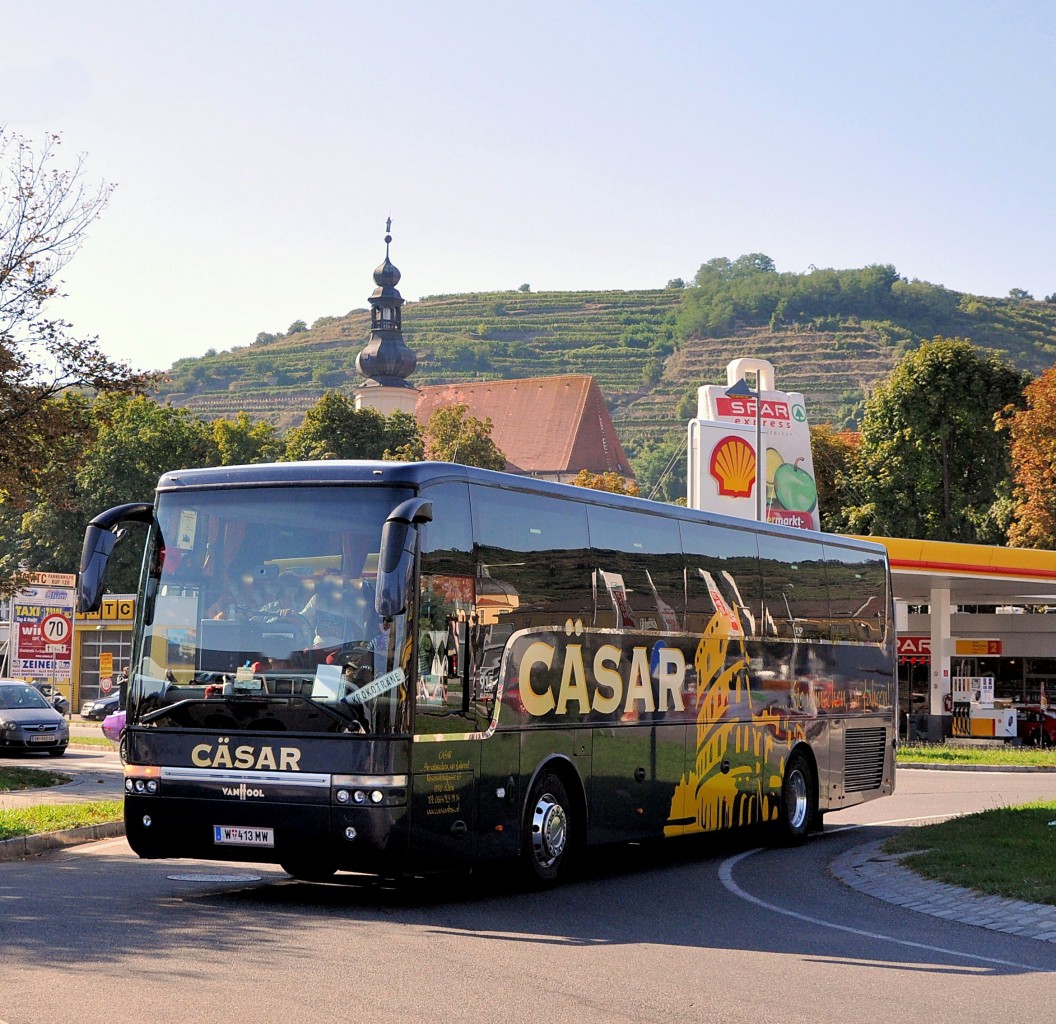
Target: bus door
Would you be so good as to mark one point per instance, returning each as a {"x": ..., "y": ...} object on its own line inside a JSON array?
[
  {"x": 446, "y": 753},
  {"x": 443, "y": 833}
]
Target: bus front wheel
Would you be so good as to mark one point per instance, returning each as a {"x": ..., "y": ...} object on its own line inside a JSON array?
[
  {"x": 549, "y": 830},
  {"x": 308, "y": 870},
  {"x": 796, "y": 809}
]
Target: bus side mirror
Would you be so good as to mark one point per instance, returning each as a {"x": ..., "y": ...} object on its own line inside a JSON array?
[
  {"x": 100, "y": 539},
  {"x": 399, "y": 538}
]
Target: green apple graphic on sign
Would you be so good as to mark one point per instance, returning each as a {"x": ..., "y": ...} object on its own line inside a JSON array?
[{"x": 795, "y": 487}]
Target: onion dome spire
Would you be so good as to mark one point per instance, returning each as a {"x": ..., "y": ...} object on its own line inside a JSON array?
[{"x": 385, "y": 359}]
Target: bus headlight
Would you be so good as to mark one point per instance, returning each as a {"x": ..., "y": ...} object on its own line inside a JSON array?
[
  {"x": 142, "y": 780},
  {"x": 370, "y": 790}
]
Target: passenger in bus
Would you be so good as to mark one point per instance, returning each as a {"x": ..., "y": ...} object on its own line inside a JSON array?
[
  {"x": 286, "y": 597},
  {"x": 237, "y": 600},
  {"x": 338, "y": 612}
]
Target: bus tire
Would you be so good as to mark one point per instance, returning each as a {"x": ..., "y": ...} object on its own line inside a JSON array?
[
  {"x": 308, "y": 870},
  {"x": 549, "y": 831},
  {"x": 796, "y": 808}
]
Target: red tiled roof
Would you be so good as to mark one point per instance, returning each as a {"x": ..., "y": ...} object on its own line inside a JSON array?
[{"x": 544, "y": 425}]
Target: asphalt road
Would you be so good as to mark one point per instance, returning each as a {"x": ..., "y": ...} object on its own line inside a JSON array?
[{"x": 721, "y": 932}]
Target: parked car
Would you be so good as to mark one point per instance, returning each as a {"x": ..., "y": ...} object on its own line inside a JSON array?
[
  {"x": 97, "y": 710},
  {"x": 1036, "y": 725},
  {"x": 54, "y": 697},
  {"x": 28, "y": 721}
]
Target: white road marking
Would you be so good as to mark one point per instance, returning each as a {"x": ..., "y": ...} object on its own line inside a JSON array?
[{"x": 726, "y": 877}]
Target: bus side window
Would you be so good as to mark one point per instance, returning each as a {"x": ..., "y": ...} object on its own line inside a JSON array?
[
  {"x": 535, "y": 551},
  {"x": 639, "y": 582},
  {"x": 795, "y": 588},
  {"x": 857, "y": 594},
  {"x": 446, "y": 613},
  {"x": 722, "y": 577}
]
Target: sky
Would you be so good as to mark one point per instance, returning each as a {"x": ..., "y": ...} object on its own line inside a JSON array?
[{"x": 258, "y": 148}]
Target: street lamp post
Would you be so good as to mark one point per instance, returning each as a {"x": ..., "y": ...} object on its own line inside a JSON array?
[{"x": 742, "y": 389}]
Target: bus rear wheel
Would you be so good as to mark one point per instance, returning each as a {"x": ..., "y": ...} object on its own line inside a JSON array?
[
  {"x": 549, "y": 831},
  {"x": 796, "y": 809}
]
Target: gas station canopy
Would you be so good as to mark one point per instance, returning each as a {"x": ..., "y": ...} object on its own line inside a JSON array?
[{"x": 973, "y": 574}]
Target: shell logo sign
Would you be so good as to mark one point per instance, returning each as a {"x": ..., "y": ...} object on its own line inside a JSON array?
[
  {"x": 726, "y": 473},
  {"x": 733, "y": 466}
]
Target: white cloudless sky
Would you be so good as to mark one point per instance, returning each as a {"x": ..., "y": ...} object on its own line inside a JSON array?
[{"x": 258, "y": 146}]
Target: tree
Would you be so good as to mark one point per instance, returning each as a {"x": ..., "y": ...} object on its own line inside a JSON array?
[
  {"x": 122, "y": 446},
  {"x": 753, "y": 263},
  {"x": 652, "y": 371},
  {"x": 833, "y": 456},
  {"x": 452, "y": 435},
  {"x": 611, "y": 482},
  {"x": 660, "y": 467},
  {"x": 335, "y": 429},
  {"x": 524, "y": 287},
  {"x": 1019, "y": 293},
  {"x": 241, "y": 441},
  {"x": 45, "y": 212},
  {"x": 1033, "y": 447},
  {"x": 931, "y": 464}
]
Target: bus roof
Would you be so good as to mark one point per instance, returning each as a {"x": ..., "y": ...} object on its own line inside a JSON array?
[{"x": 336, "y": 472}]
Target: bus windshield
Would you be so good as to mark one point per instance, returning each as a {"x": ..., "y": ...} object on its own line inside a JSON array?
[{"x": 259, "y": 614}]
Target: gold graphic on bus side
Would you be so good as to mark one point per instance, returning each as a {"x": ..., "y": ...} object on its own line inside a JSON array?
[{"x": 751, "y": 746}]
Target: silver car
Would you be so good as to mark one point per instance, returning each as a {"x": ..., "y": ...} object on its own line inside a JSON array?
[{"x": 29, "y": 722}]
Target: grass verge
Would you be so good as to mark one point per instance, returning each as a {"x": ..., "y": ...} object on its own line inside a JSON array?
[
  {"x": 1009, "y": 757},
  {"x": 92, "y": 741},
  {"x": 29, "y": 778},
  {"x": 1005, "y": 852},
  {"x": 29, "y": 821}
]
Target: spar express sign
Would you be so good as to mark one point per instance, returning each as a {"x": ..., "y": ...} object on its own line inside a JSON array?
[
  {"x": 726, "y": 471},
  {"x": 42, "y": 630}
]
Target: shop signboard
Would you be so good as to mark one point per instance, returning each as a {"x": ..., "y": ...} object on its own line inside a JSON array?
[
  {"x": 42, "y": 629},
  {"x": 734, "y": 424}
]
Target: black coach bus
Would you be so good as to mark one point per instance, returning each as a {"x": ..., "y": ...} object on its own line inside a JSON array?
[{"x": 405, "y": 668}]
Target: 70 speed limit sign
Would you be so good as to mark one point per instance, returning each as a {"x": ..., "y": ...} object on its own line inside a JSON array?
[{"x": 55, "y": 629}]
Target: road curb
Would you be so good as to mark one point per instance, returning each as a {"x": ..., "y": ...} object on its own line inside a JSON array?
[
  {"x": 24, "y": 847},
  {"x": 884, "y": 877},
  {"x": 931, "y": 766}
]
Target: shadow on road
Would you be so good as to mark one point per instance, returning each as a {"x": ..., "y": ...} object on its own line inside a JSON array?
[{"x": 657, "y": 895}]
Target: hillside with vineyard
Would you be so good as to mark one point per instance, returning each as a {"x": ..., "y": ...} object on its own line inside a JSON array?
[{"x": 830, "y": 334}]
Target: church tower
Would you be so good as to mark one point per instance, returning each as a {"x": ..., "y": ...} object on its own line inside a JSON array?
[{"x": 386, "y": 361}]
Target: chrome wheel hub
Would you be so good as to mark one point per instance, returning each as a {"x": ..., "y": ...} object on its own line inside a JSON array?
[
  {"x": 797, "y": 801},
  {"x": 549, "y": 830}
]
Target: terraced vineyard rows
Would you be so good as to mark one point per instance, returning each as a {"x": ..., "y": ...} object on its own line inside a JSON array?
[
  {"x": 619, "y": 337},
  {"x": 626, "y": 339}
]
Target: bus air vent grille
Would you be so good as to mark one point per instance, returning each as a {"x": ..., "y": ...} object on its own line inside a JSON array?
[{"x": 863, "y": 759}]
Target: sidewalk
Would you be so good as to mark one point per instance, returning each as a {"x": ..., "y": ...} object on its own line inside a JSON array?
[
  {"x": 88, "y": 784},
  {"x": 881, "y": 875}
]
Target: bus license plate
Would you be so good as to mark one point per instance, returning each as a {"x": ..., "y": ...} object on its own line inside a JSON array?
[{"x": 237, "y": 835}]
